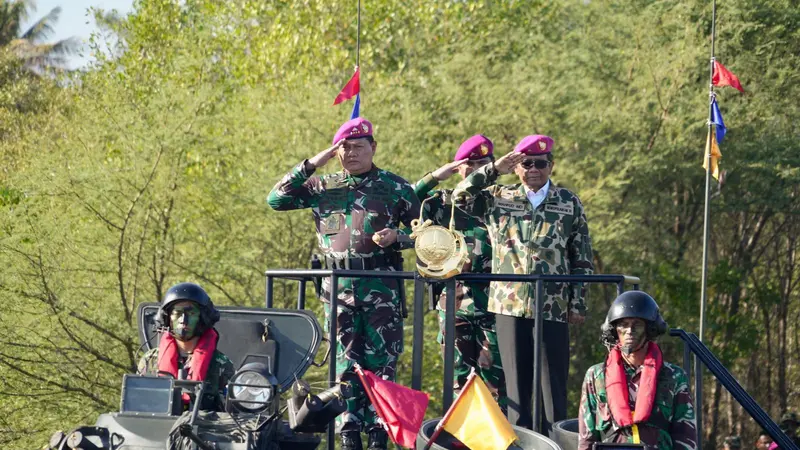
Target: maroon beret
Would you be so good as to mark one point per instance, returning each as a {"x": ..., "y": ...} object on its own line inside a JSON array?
[
  {"x": 352, "y": 129},
  {"x": 537, "y": 144},
  {"x": 476, "y": 147}
]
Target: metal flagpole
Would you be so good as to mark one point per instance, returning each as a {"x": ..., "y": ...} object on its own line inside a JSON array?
[
  {"x": 357, "y": 104},
  {"x": 358, "y": 37},
  {"x": 706, "y": 228},
  {"x": 707, "y": 208}
]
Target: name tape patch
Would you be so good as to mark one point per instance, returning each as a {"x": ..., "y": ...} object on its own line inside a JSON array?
[
  {"x": 516, "y": 206},
  {"x": 559, "y": 209}
]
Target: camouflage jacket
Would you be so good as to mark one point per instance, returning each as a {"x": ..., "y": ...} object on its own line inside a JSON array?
[
  {"x": 553, "y": 239},
  {"x": 219, "y": 373},
  {"x": 348, "y": 210},
  {"x": 672, "y": 421},
  {"x": 472, "y": 298}
]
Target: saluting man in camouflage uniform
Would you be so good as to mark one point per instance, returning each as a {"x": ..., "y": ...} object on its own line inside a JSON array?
[
  {"x": 357, "y": 213},
  {"x": 635, "y": 396},
  {"x": 187, "y": 349},
  {"x": 475, "y": 337},
  {"x": 535, "y": 228}
]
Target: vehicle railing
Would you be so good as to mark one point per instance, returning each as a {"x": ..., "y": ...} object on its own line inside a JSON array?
[
  {"x": 305, "y": 275},
  {"x": 693, "y": 346}
]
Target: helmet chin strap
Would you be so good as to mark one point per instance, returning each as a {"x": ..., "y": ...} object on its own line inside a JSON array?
[
  {"x": 627, "y": 350},
  {"x": 185, "y": 337},
  {"x": 182, "y": 338}
]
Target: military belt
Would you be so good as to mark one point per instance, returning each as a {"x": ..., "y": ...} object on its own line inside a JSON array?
[{"x": 367, "y": 263}]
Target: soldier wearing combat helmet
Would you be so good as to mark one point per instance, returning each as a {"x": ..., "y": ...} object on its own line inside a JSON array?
[
  {"x": 475, "y": 336},
  {"x": 635, "y": 396},
  {"x": 358, "y": 212},
  {"x": 537, "y": 228},
  {"x": 187, "y": 349},
  {"x": 789, "y": 425},
  {"x": 733, "y": 442}
]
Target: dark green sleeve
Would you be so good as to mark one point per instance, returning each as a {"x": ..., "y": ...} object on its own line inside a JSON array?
[
  {"x": 433, "y": 202},
  {"x": 408, "y": 211},
  {"x": 588, "y": 430},
  {"x": 477, "y": 185},
  {"x": 424, "y": 186},
  {"x": 683, "y": 428},
  {"x": 148, "y": 365},
  {"x": 579, "y": 253},
  {"x": 296, "y": 190}
]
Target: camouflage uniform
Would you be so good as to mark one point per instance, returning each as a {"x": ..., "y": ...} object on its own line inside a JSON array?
[
  {"x": 552, "y": 240},
  {"x": 347, "y": 211},
  {"x": 672, "y": 421},
  {"x": 219, "y": 373},
  {"x": 476, "y": 337}
]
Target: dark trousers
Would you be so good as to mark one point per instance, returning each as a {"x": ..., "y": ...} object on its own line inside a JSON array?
[{"x": 515, "y": 340}]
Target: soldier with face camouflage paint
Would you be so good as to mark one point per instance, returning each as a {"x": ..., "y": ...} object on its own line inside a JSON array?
[
  {"x": 635, "y": 396},
  {"x": 357, "y": 213},
  {"x": 187, "y": 347},
  {"x": 535, "y": 227},
  {"x": 475, "y": 336}
]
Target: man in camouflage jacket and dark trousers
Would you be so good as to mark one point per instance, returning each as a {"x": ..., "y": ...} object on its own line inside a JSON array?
[
  {"x": 535, "y": 228},
  {"x": 357, "y": 213},
  {"x": 475, "y": 336},
  {"x": 635, "y": 396}
]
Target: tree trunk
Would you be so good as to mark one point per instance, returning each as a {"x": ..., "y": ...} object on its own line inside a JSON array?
[
  {"x": 768, "y": 362},
  {"x": 711, "y": 431}
]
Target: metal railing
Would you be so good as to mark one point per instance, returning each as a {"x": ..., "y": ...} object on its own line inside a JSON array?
[
  {"x": 692, "y": 345},
  {"x": 305, "y": 275}
]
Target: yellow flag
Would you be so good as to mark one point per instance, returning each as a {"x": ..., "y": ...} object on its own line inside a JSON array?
[
  {"x": 478, "y": 422},
  {"x": 716, "y": 155}
]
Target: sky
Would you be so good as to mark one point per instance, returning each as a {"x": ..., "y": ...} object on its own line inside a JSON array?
[{"x": 74, "y": 21}]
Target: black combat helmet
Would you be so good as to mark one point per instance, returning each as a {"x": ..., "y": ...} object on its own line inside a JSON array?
[
  {"x": 209, "y": 315},
  {"x": 633, "y": 304}
]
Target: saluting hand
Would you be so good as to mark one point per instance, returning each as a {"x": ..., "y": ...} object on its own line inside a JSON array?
[
  {"x": 322, "y": 158},
  {"x": 507, "y": 163},
  {"x": 447, "y": 170},
  {"x": 385, "y": 237}
]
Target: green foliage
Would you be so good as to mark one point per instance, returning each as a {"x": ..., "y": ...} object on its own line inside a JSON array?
[{"x": 152, "y": 167}]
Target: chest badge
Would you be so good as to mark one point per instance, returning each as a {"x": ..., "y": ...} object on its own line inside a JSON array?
[{"x": 332, "y": 224}]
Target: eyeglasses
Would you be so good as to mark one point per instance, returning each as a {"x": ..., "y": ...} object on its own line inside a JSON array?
[{"x": 538, "y": 163}]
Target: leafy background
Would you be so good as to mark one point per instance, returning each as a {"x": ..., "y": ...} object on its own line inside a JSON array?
[{"x": 151, "y": 167}]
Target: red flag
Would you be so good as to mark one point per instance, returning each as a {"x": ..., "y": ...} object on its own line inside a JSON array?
[
  {"x": 401, "y": 408},
  {"x": 351, "y": 89},
  {"x": 724, "y": 77}
]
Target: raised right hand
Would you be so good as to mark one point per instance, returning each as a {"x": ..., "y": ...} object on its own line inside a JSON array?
[
  {"x": 507, "y": 162},
  {"x": 447, "y": 170},
  {"x": 322, "y": 158}
]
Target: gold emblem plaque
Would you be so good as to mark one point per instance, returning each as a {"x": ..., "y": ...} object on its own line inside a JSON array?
[{"x": 441, "y": 252}]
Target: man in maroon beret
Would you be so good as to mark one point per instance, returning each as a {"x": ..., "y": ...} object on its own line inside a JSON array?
[
  {"x": 358, "y": 212},
  {"x": 538, "y": 228},
  {"x": 475, "y": 336}
]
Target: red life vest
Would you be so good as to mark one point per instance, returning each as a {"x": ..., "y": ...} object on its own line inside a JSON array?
[
  {"x": 617, "y": 386},
  {"x": 202, "y": 356}
]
